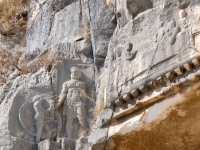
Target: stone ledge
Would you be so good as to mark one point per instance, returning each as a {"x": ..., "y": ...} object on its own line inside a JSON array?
[{"x": 156, "y": 90}]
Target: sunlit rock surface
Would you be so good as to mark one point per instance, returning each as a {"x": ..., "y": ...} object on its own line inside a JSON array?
[{"x": 105, "y": 75}]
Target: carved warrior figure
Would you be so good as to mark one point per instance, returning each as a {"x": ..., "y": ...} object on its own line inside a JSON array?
[
  {"x": 40, "y": 118},
  {"x": 74, "y": 103},
  {"x": 39, "y": 122}
]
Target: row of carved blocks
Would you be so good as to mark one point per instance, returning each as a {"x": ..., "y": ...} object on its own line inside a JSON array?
[{"x": 179, "y": 73}]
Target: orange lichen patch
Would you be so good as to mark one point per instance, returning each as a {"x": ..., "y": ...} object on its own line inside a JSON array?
[{"x": 179, "y": 130}]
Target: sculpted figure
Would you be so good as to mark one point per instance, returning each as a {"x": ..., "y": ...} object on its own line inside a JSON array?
[
  {"x": 40, "y": 118},
  {"x": 184, "y": 37},
  {"x": 116, "y": 68},
  {"x": 74, "y": 104},
  {"x": 129, "y": 56}
]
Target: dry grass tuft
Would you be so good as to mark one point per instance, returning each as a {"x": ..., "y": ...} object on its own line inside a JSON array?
[
  {"x": 19, "y": 134},
  {"x": 98, "y": 106},
  {"x": 45, "y": 59},
  {"x": 2, "y": 80},
  {"x": 86, "y": 32},
  {"x": 8, "y": 61},
  {"x": 13, "y": 17}
]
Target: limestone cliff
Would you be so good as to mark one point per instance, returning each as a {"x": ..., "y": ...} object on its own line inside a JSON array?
[{"x": 101, "y": 74}]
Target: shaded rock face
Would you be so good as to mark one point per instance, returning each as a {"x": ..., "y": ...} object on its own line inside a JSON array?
[
  {"x": 178, "y": 129},
  {"x": 133, "y": 63}
]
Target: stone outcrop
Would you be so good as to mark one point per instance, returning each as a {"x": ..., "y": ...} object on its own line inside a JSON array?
[{"x": 105, "y": 74}]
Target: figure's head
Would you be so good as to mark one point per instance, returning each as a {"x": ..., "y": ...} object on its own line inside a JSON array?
[
  {"x": 76, "y": 74},
  {"x": 128, "y": 47}
]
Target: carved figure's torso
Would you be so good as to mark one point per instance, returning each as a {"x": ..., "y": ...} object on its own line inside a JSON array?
[{"x": 39, "y": 110}]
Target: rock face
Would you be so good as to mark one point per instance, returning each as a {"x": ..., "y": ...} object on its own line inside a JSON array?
[{"x": 105, "y": 74}]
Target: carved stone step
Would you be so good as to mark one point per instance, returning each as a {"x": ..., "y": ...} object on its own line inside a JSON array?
[
  {"x": 143, "y": 89},
  {"x": 179, "y": 71},
  {"x": 127, "y": 97},
  {"x": 196, "y": 62},
  {"x": 187, "y": 66},
  {"x": 135, "y": 93},
  {"x": 119, "y": 102},
  {"x": 160, "y": 80},
  {"x": 156, "y": 83},
  {"x": 169, "y": 76}
]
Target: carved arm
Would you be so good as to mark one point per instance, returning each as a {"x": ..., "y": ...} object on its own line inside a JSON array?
[
  {"x": 62, "y": 96},
  {"x": 131, "y": 55}
]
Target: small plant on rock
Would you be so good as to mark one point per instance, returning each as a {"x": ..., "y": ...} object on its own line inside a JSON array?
[{"x": 99, "y": 104}]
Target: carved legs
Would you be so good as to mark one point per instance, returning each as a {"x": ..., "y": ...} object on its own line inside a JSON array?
[
  {"x": 39, "y": 126},
  {"x": 76, "y": 115},
  {"x": 81, "y": 115}
]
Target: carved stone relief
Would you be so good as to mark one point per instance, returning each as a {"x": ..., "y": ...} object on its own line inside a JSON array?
[
  {"x": 45, "y": 116},
  {"x": 39, "y": 118},
  {"x": 168, "y": 44},
  {"x": 122, "y": 67},
  {"x": 74, "y": 105}
]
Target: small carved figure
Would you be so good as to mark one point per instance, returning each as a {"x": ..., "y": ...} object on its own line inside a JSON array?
[
  {"x": 184, "y": 37},
  {"x": 116, "y": 68},
  {"x": 74, "y": 100},
  {"x": 182, "y": 15},
  {"x": 128, "y": 54},
  {"x": 40, "y": 117}
]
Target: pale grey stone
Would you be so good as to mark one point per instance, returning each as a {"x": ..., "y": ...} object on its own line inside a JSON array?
[{"x": 125, "y": 49}]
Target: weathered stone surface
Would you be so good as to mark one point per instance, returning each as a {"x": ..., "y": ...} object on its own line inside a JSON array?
[
  {"x": 161, "y": 58},
  {"x": 99, "y": 135},
  {"x": 138, "y": 58},
  {"x": 101, "y": 29},
  {"x": 68, "y": 143},
  {"x": 49, "y": 145},
  {"x": 82, "y": 143},
  {"x": 13, "y": 143}
]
